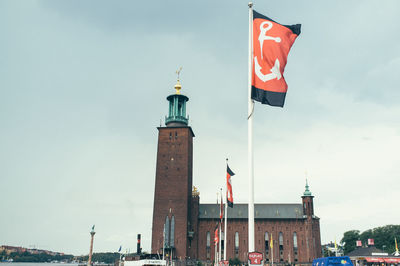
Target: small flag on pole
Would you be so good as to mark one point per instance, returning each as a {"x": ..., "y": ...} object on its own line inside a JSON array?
[
  {"x": 229, "y": 195},
  {"x": 271, "y": 45},
  {"x": 120, "y": 247},
  {"x": 216, "y": 236},
  {"x": 397, "y": 249},
  {"x": 271, "y": 244}
]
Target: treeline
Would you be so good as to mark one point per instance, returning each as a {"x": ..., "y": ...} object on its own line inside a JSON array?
[
  {"x": 106, "y": 257},
  {"x": 42, "y": 257},
  {"x": 383, "y": 238}
]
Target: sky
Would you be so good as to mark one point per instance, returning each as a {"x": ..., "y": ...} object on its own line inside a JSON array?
[{"x": 83, "y": 87}]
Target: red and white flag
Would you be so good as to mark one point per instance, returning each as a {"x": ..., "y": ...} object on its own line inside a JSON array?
[
  {"x": 271, "y": 45},
  {"x": 216, "y": 235}
]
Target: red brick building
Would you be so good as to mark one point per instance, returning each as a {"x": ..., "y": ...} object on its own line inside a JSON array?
[{"x": 185, "y": 227}]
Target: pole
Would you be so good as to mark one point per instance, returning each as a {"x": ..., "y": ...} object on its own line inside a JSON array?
[
  {"x": 91, "y": 246},
  {"x": 215, "y": 253},
  {"x": 226, "y": 218},
  {"x": 250, "y": 136},
  {"x": 272, "y": 252},
  {"x": 220, "y": 234}
]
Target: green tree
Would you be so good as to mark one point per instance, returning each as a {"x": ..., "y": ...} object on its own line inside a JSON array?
[
  {"x": 349, "y": 240},
  {"x": 235, "y": 261}
]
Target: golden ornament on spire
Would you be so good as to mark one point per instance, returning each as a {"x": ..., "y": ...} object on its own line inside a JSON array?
[{"x": 178, "y": 85}]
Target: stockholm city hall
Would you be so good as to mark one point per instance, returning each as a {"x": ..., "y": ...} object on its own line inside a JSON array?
[{"x": 189, "y": 225}]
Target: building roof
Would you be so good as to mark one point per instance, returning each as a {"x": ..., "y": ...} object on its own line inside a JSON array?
[
  {"x": 262, "y": 211},
  {"x": 365, "y": 251}
]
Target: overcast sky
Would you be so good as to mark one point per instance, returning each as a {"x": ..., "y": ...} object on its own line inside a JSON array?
[{"x": 83, "y": 86}]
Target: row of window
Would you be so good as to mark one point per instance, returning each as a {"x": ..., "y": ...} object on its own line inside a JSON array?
[
  {"x": 266, "y": 238},
  {"x": 267, "y": 245}
]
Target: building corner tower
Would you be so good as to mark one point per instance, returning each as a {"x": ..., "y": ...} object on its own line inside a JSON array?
[
  {"x": 313, "y": 236},
  {"x": 173, "y": 184}
]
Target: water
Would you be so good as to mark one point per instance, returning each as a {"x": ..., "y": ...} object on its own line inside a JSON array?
[{"x": 36, "y": 264}]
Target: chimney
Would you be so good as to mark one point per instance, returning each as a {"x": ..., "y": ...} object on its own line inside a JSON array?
[{"x": 139, "y": 250}]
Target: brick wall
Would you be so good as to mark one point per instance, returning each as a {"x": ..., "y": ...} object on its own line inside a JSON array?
[{"x": 173, "y": 186}]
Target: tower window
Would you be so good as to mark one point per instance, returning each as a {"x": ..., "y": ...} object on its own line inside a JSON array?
[
  {"x": 170, "y": 135},
  {"x": 172, "y": 236},
  {"x": 176, "y": 135},
  {"x": 166, "y": 232}
]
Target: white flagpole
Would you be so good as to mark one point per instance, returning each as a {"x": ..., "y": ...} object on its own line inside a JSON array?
[
  {"x": 220, "y": 233},
  {"x": 215, "y": 252},
  {"x": 225, "y": 215},
  {"x": 250, "y": 135}
]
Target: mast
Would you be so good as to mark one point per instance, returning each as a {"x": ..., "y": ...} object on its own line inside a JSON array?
[{"x": 250, "y": 135}]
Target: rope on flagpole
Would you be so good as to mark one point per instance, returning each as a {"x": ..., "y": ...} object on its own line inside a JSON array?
[{"x": 252, "y": 111}]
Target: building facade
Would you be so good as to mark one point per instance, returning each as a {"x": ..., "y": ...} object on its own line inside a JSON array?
[{"x": 183, "y": 228}]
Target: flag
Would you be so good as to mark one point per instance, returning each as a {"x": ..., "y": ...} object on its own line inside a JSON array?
[
  {"x": 335, "y": 245},
  {"x": 221, "y": 211},
  {"x": 271, "y": 244},
  {"x": 271, "y": 45},
  {"x": 120, "y": 247},
  {"x": 216, "y": 236},
  {"x": 395, "y": 241},
  {"x": 229, "y": 196}
]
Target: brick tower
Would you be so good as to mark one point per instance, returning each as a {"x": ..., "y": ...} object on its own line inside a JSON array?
[
  {"x": 313, "y": 236},
  {"x": 173, "y": 185}
]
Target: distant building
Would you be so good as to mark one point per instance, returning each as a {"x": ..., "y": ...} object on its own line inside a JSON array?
[
  {"x": 189, "y": 225},
  {"x": 371, "y": 255},
  {"x": 11, "y": 249}
]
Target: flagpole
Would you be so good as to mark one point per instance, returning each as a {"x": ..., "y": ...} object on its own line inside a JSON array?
[
  {"x": 225, "y": 216},
  {"x": 250, "y": 136},
  {"x": 220, "y": 233}
]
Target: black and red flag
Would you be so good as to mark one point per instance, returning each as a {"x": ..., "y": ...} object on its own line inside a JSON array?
[
  {"x": 271, "y": 45},
  {"x": 229, "y": 195}
]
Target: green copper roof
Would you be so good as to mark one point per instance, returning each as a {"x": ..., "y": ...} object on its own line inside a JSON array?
[
  {"x": 177, "y": 107},
  {"x": 307, "y": 192}
]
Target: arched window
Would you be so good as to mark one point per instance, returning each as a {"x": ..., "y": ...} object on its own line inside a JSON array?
[
  {"x": 172, "y": 236},
  {"x": 208, "y": 237},
  {"x": 166, "y": 232},
  {"x": 266, "y": 239},
  {"x": 237, "y": 240},
  {"x": 281, "y": 246},
  {"x": 295, "y": 240}
]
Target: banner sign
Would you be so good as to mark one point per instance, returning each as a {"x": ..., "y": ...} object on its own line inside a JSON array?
[{"x": 255, "y": 258}]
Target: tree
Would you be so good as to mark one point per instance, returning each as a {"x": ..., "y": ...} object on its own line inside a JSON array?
[
  {"x": 383, "y": 238},
  {"x": 349, "y": 240},
  {"x": 234, "y": 261}
]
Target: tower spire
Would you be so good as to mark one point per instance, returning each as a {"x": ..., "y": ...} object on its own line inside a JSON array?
[
  {"x": 177, "y": 106},
  {"x": 307, "y": 192}
]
